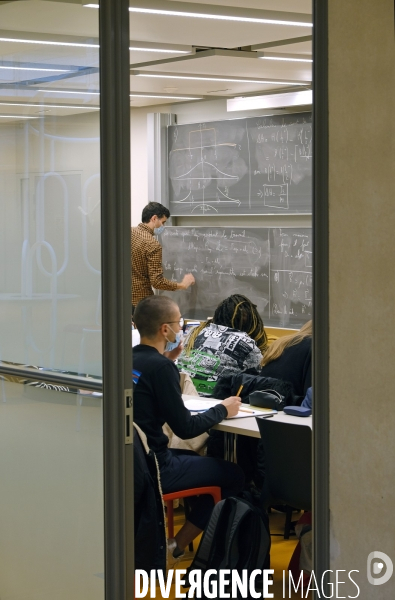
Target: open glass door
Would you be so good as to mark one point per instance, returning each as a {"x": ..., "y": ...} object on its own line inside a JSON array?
[{"x": 62, "y": 444}]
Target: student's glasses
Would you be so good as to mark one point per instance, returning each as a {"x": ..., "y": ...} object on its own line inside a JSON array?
[{"x": 180, "y": 322}]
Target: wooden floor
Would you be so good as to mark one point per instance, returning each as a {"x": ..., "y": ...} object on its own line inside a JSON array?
[{"x": 281, "y": 552}]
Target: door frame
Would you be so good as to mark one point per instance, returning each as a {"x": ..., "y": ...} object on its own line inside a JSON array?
[
  {"x": 116, "y": 296},
  {"x": 321, "y": 544}
]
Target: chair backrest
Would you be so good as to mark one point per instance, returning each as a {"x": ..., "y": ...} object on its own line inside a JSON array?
[{"x": 288, "y": 463}]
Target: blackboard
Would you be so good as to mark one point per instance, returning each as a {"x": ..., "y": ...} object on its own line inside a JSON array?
[
  {"x": 271, "y": 266},
  {"x": 259, "y": 165}
]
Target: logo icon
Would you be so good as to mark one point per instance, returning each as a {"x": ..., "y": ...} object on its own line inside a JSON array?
[{"x": 380, "y": 564}]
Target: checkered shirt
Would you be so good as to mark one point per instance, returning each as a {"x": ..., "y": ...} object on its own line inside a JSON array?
[{"x": 147, "y": 270}]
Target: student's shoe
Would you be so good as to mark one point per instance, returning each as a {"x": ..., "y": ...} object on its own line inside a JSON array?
[{"x": 172, "y": 560}]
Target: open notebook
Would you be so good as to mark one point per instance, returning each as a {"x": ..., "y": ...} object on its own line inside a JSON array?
[{"x": 197, "y": 404}]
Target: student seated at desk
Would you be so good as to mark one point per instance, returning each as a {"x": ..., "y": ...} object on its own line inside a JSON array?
[
  {"x": 233, "y": 341},
  {"x": 158, "y": 400},
  {"x": 289, "y": 359}
]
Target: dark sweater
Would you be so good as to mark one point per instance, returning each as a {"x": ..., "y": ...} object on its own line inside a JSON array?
[
  {"x": 158, "y": 400},
  {"x": 294, "y": 365}
]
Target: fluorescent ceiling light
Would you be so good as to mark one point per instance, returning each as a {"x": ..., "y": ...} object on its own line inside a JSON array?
[
  {"x": 168, "y": 97},
  {"x": 220, "y": 13},
  {"x": 215, "y": 78},
  {"x": 49, "y": 42},
  {"x": 15, "y": 117},
  {"x": 169, "y": 51},
  {"x": 48, "y": 105},
  {"x": 68, "y": 92},
  {"x": 302, "y": 98},
  {"x": 238, "y": 19},
  {"x": 142, "y": 48},
  {"x": 285, "y": 57},
  {"x": 36, "y": 69}
]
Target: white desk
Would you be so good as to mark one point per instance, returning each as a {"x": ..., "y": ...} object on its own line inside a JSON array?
[{"x": 249, "y": 427}]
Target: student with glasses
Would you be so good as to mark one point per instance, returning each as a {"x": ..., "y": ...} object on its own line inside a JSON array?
[{"x": 158, "y": 400}]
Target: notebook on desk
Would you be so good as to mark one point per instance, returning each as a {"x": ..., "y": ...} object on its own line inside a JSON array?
[{"x": 197, "y": 404}]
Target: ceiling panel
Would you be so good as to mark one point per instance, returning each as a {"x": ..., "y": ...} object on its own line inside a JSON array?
[
  {"x": 61, "y": 18},
  {"x": 217, "y": 88},
  {"x": 233, "y": 64},
  {"x": 49, "y": 17},
  {"x": 206, "y": 32}
]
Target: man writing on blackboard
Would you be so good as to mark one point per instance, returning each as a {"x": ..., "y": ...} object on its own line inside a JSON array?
[{"x": 147, "y": 270}]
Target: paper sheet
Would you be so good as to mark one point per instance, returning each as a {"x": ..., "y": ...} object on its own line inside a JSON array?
[{"x": 197, "y": 404}]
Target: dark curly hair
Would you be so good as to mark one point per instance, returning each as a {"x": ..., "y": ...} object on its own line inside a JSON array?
[{"x": 240, "y": 313}]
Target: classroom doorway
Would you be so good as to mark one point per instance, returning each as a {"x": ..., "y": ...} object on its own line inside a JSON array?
[{"x": 222, "y": 122}]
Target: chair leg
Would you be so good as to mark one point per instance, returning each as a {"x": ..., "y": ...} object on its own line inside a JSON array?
[
  {"x": 186, "y": 511},
  {"x": 288, "y": 518},
  {"x": 170, "y": 518}
]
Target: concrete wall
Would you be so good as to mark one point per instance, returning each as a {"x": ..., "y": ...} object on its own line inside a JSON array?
[{"x": 362, "y": 286}]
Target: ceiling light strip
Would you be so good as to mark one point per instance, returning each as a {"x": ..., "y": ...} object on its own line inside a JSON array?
[
  {"x": 169, "y": 97},
  {"x": 16, "y": 117},
  {"x": 205, "y": 11},
  {"x": 270, "y": 101},
  {"x": 285, "y": 57},
  {"x": 54, "y": 70},
  {"x": 49, "y": 43},
  {"x": 68, "y": 92},
  {"x": 238, "y": 19},
  {"x": 137, "y": 48},
  {"x": 23, "y": 104},
  {"x": 162, "y": 50}
]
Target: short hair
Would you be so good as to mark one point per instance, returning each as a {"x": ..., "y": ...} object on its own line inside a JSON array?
[
  {"x": 154, "y": 209},
  {"x": 151, "y": 313}
]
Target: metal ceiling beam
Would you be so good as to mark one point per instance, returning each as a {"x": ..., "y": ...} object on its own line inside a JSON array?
[
  {"x": 201, "y": 54},
  {"x": 277, "y": 43}
]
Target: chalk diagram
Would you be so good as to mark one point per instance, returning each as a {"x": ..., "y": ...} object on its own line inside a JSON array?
[{"x": 202, "y": 163}]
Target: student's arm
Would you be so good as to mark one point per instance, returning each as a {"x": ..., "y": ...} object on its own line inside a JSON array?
[
  {"x": 183, "y": 423},
  {"x": 155, "y": 273}
]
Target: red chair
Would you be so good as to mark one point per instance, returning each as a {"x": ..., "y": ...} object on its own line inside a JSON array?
[{"x": 213, "y": 491}]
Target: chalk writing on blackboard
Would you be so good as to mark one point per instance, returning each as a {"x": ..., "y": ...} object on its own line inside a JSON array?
[
  {"x": 271, "y": 266},
  {"x": 241, "y": 166}
]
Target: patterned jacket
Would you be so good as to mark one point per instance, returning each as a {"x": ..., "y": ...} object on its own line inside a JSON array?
[{"x": 218, "y": 351}]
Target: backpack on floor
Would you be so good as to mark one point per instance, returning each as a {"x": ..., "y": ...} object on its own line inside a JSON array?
[{"x": 236, "y": 537}]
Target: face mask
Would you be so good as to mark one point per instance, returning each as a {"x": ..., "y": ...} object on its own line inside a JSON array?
[
  {"x": 172, "y": 345},
  {"x": 158, "y": 230}
]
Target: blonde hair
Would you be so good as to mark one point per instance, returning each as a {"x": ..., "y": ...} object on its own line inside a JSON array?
[
  {"x": 278, "y": 347},
  {"x": 238, "y": 312}
]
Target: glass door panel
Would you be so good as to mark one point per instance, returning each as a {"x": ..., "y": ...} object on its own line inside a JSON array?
[{"x": 51, "y": 442}]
